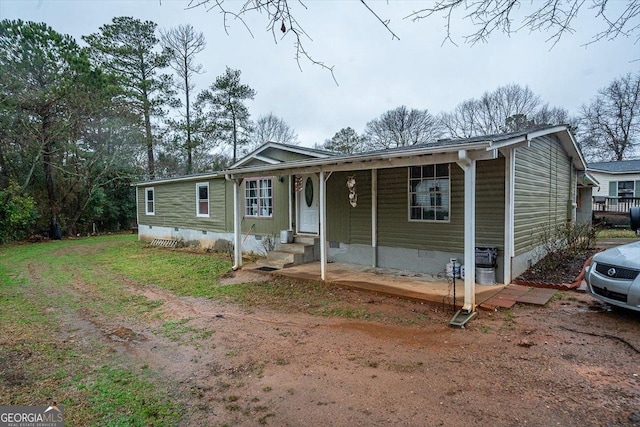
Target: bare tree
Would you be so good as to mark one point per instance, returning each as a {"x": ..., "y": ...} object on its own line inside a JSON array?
[
  {"x": 402, "y": 127},
  {"x": 610, "y": 125},
  {"x": 554, "y": 17},
  {"x": 346, "y": 141},
  {"x": 270, "y": 128},
  {"x": 508, "y": 108},
  {"x": 183, "y": 43}
]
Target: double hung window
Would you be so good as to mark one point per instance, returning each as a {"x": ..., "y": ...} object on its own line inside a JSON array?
[
  {"x": 429, "y": 193},
  {"x": 258, "y": 197},
  {"x": 202, "y": 199}
]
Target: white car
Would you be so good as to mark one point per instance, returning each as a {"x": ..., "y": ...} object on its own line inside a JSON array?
[{"x": 614, "y": 276}]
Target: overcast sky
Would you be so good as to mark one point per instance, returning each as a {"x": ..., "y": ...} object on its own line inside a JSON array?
[{"x": 374, "y": 72}]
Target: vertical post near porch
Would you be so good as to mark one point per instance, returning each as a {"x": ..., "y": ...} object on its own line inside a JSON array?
[
  {"x": 374, "y": 217},
  {"x": 323, "y": 226},
  {"x": 290, "y": 204},
  {"x": 237, "y": 215},
  {"x": 469, "y": 166},
  {"x": 509, "y": 158}
]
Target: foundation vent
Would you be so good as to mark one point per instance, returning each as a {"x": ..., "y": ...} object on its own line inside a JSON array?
[{"x": 165, "y": 243}]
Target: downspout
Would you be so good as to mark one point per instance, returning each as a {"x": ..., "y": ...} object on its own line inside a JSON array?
[
  {"x": 138, "y": 212},
  {"x": 468, "y": 165}
]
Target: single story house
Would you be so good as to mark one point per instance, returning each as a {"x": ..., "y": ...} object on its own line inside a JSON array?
[
  {"x": 617, "y": 190},
  {"x": 412, "y": 207},
  {"x": 619, "y": 179}
]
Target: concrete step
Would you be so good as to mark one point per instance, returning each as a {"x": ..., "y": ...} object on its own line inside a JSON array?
[
  {"x": 298, "y": 248},
  {"x": 285, "y": 256},
  {"x": 307, "y": 240},
  {"x": 277, "y": 264}
]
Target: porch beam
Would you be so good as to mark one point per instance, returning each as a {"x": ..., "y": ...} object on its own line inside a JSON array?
[
  {"x": 374, "y": 218},
  {"x": 366, "y": 164},
  {"x": 468, "y": 165},
  {"x": 323, "y": 226}
]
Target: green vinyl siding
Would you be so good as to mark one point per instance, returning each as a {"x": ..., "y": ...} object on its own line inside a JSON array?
[
  {"x": 345, "y": 223},
  {"x": 490, "y": 199},
  {"x": 360, "y": 216},
  {"x": 175, "y": 205},
  {"x": 543, "y": 195},
  {"x": 394, "y": 227},
  {"x": 263, "y": 226},
  {"x": 353, "y": 225},
  {"x": 267, "y": 226}
]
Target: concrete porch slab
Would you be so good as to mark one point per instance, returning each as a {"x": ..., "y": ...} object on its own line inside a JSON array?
[{"x": 387, "y": 281}]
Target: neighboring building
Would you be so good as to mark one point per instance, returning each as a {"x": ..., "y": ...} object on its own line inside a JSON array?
[
  {"x": 617, "y": 191},
  {"x": 406, "y": 208},
  {"x": 619, "y": 179}
]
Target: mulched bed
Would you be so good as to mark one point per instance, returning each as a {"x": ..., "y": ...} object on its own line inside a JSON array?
[{"x": 561, "y": 271}]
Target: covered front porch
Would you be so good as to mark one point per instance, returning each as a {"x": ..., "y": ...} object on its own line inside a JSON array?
[{"x": 370, "y": 168}]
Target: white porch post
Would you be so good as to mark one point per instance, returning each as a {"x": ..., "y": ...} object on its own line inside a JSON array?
[
  {"x": 374, "y": 218},
  {"x": 510, "y": 166},
  {"x": 469, "y": 167},
  {"x": 323, "y": 227},
  {"x": 290, "y": 205},
  {"x": 237, "y": 241}
]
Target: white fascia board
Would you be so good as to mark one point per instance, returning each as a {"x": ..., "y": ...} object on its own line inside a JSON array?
[
  {"x": 520, "y": 141},
  {"x": 418, "y": 156},
  {"x": 547, "y": 131},
  {"x": 267, "y": 159}
]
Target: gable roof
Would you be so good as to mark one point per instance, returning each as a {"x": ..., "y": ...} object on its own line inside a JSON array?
[
  {"x": 619, "y": 167},
  {"x": 265, "y": 154}
]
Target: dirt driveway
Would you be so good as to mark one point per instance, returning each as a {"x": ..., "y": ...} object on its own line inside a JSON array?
[{"x": 571, "y": 363}]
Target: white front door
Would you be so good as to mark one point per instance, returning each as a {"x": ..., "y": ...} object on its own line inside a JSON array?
[{"x": 308, "y": 206}]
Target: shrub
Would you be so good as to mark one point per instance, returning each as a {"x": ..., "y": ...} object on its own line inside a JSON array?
[{"x": 17, "y": 214}]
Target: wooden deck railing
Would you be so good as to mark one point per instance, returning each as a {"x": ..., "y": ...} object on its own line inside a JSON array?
[{"x": 619, "y": 205}]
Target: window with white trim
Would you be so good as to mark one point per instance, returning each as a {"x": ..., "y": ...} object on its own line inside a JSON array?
[
  {"x": 258, "y": 197},
  {"x": 202, "y": 199},
  {"x": 626, "y": 189},
  {"x": 429, "y": 193},
  {"x": 149, "y": 201}
]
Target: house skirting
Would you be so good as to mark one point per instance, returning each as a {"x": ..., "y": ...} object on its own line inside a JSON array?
[
  {"x": 202, "y": 238},
  {"x": 417, "y": 260}
]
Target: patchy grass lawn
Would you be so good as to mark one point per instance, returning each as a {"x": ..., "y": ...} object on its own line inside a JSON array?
[
  {"x": 85, "y": 281},
  {"x": 615, "y": 233},
  {"x": 37, "y": 365}
]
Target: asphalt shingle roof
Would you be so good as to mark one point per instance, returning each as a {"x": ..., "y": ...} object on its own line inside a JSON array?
[{"x": 622, "y": 166}]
